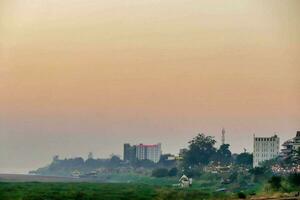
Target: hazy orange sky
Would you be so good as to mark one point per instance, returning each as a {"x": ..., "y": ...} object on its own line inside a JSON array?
[{"x": 79, "y": 76}]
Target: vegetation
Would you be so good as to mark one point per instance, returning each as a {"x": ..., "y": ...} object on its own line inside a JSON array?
[
  {"x": 173, "y": 172},
  {"x": 95, "y": 191},
  {"x": 75, "y": 191},
  {"x": 294, "y": 179},
  {"x": 164, "y": 172},
  {"x": 214, "y": 170},
  {"x": 201, "y": 150},
  {"x": 65, "y": 167},
  {"x": 223, "y": 155},
  {"x": 275, "y": 182},
  {"x": 241, "y": 195},
  {"x": 146, "y": 188},
  {"x": 245, "y": 159},
  {"x": 160, "y": 172}
]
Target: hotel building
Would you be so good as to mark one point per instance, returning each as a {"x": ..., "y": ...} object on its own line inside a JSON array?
[
  {"x": 148, "y": 152},
  {"x": 142, "y": 152},
  {"x": 265, "y": 148}
]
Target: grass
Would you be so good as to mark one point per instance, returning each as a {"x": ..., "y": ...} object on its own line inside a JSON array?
[
  {"x": 100, "y": 191},
  {"x": 134, "y": 187}
]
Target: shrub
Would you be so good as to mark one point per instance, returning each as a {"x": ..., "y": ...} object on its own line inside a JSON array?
[
  {"x": 258, "y": 171},
  {"x": 160, "y": 172},
  {"x": 173, "y": 172},
  {"x": 275, "y": 182},
  {"x": 193, "y": 173},
  {"x": 294, "y": 179},
  {"x": 241, "y": 195}
]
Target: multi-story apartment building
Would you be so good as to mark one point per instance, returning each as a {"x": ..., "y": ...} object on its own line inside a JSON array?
[
  {"x": 142, "y": 152},
  {"x": 129, "y": 153},
  {"x": 148, "y": 152},
  {"x": 265, "y": 148}
]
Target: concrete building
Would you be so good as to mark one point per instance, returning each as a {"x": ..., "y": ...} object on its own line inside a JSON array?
[
  {"x": 265, "y": 148},
  {"x": 129, "y": 153},
  {"x": 142, "y": 152},
  {"x": 287, "y": 150},
  {"x": 296, "y": 141},
  {"x": 291, "y": 146},
  {"x": 148, "y": 152}
]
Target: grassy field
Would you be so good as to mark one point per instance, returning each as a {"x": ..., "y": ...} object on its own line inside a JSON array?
[
  {"x": 128, "y": 186},
  {"x": 99, "y": 191},
  {"x": 125, "y": 186}
]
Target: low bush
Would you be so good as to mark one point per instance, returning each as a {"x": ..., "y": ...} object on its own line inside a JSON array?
[
  {"x": 241, "y": 195},
  {"x": 173, "y": 172},
  {"x": 275, "y": 182},
  {"x": 160, "y": 172},
  {"x": 294, "y": 179}
]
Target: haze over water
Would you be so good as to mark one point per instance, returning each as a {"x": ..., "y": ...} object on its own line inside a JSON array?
[{"x": 79, "y": 76}]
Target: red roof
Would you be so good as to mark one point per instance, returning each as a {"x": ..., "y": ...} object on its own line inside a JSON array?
[{"x": 148, "y": 145}]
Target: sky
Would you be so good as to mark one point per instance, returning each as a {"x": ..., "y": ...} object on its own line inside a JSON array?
[{"x": 79, "y": 76}]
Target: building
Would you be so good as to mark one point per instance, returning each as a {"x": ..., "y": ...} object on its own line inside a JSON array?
[
  {"x": 296, "y": 141},
  {"x": 291, "y": 146},
  {"x": 265, "y": 148},
  {"x": 148, "y": 152},
  {"x": 129, "y": 153},
  {"x": 287, "y": 150},
  {"x": 142, "y": 152}
]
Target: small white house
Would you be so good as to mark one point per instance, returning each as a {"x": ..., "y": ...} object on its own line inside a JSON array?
[{"x": 185, "y": 182}]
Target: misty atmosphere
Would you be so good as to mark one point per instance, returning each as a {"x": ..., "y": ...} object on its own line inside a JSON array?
[{"x": 149, "y": 99}]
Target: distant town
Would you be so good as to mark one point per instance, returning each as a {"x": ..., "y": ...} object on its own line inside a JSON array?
[{"x": 201, "y": 155}]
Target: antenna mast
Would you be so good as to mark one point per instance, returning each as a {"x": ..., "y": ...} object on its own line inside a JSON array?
[{"x": 223, "y": 136}]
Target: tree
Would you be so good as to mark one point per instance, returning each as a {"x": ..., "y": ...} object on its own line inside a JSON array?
[
  {"x": 223, "y": 154},
  {"x": 245, "y": 159},
  {"x": 194, "y": 172},
  {"x": 160, "y": 172},
  {"x": 201, "y": 149},
  {"x": 258, "y": 171}
]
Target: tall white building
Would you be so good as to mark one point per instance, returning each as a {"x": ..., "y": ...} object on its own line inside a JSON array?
[
  {"x": 265, "y": 148},
  {"x": 148, "y": 152}
]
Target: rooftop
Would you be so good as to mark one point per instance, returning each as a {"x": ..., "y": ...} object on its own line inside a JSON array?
[{"x": 148, "y": 145}]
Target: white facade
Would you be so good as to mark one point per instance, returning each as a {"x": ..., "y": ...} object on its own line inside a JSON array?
[
  {"x": 148, "y": 152},
  {"x": 265, "y": 148}
]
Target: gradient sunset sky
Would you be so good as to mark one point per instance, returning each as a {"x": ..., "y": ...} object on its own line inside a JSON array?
[{"x": 86, "y": 75}]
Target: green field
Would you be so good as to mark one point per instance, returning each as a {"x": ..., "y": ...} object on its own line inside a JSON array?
[
  {"x": 131, "y": 187},
  {"x": 99, "y": 191}
]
